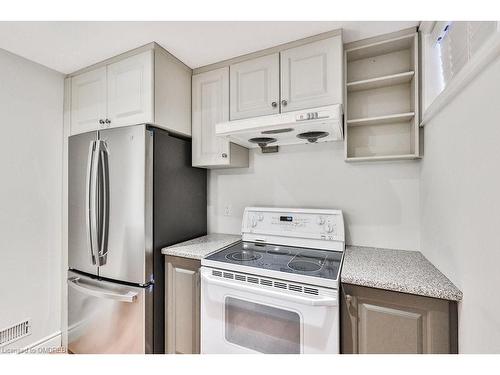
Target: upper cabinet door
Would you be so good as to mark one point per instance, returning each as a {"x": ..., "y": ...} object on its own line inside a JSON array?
[
  {"x": 130, "y": 90},
  {"x": 210, "y": 106},
  {"x": 255, "y": 87},
  {"x": 88, "y": 100},
  {"x": 311, "y": 75}
]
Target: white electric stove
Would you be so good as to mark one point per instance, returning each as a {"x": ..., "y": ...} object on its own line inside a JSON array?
[{"x": 276, "y": 291}]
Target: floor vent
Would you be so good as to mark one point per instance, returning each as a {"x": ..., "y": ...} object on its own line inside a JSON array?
[{"x": 15, "y": 332}]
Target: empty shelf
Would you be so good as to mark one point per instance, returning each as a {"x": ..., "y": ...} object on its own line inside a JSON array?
[
  {"x": 389, "y": 119},
  {"x": 380, "y": 48},
  {"x": 375, "y": 83}
]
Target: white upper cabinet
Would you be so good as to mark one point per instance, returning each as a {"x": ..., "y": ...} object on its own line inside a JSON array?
[
  {"x": 300, "y": 75},
  {"x": 211, "y": 106},
  {"x": 88, "y": 100},
  {"x": 150, "y": 87},
  {"x": 130, "y": 90},
  {"x": 311, "y": 75},
  {"x": 255, "y": 87}
]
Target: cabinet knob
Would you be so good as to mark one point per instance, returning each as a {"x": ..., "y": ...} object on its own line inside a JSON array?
[
  {"x": 274, "y": 104},
  {"x": 108, "y": 121},
  {"x": 224, "y": 155},
  {"x": 284, "y": 103},
  {"x": 101, "y": 122}
]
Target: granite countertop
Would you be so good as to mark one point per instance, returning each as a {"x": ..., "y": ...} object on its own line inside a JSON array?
[
  {"x": 200, "y": 247},
  {"x": 397, "y": 270}
]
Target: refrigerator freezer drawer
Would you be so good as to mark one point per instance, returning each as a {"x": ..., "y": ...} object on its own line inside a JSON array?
[{"x": 105, "y": 317}]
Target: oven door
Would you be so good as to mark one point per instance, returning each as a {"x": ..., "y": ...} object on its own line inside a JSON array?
[{"x": 240, "y": 315}]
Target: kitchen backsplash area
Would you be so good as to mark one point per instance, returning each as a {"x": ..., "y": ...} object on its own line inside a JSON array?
[{"x": 380, "y": 200}]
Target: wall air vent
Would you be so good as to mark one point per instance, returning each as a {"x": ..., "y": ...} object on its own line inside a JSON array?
[{"x": 15, "y": 332}]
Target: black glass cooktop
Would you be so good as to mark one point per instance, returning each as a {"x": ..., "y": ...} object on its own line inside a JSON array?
[{"x": 296, "y": 260}]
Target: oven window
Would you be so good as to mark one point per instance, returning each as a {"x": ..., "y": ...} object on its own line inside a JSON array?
[{"x": 262, "y": 328}]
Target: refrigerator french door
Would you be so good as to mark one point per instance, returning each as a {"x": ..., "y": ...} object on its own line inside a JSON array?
[{"x": 132, "y": 191}]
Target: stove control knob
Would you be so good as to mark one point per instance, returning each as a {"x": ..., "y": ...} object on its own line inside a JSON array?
[
  {"x": 321, "y": 220},
  {"x": 328, "y": 228},
  {"x": 261, "y": 217}
]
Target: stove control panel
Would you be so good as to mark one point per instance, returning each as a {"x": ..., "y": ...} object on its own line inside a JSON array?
[{"x": 306, "y": 224}]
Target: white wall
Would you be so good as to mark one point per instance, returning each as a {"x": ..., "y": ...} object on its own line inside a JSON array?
[
  {"x": 380, "y": 200},
  {"x": 460, "y": 206},
  {"x": 31, "y": 100}
]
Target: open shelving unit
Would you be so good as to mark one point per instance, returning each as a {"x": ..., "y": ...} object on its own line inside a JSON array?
[
  {"x": 382, "y": 98},
  {"x": 378, "y": 82}
]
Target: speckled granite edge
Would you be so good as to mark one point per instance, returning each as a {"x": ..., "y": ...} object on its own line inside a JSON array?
[
  {"x": 201, "y": 247},
  {"x": 397, "y": 270}
]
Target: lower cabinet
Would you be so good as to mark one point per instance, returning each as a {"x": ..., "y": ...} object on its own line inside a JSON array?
[
  {"x": 182, "y": 308},
  {"x": 381, "y": 321}
]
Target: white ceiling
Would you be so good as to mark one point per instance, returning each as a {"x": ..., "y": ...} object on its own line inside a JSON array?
[{"x": 69, "y": 46}]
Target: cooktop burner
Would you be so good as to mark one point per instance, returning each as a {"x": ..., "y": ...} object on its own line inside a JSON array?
[
  {"x": 302, "y": 265},
  {"x": 288, "y": 259},
  {"x": 306, "y": 263},
  {"x": 244, "y": 255}
]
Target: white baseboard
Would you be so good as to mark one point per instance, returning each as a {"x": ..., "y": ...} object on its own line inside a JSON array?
[{"x": 47, "y": 345}]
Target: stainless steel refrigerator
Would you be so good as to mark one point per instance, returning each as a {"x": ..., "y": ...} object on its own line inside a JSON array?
[{"x": 131, "y": 192}]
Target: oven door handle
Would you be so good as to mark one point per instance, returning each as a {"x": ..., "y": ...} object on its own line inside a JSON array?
[{"x": 315, "y": 301}]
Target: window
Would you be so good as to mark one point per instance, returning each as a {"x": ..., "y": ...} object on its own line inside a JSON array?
[
  {"x": 448, "y": 48},
  {"x": 457, "y": 42}
]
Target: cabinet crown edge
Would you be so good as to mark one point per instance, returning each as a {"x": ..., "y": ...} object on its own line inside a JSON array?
[{"x": 151, "y": 46}]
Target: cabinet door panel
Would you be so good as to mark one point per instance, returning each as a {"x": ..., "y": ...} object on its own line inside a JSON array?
[
  {"x": 210, "y": 106},
  {"x": 130, "y": 90},
  {"x": 389, "y": 330},
  {"x": 382, "y": 321},
  {"x": 183, "y": 305},
  {"x": 311, "y": 75},
  {"x": 255, "y": 87},
  {"x": 88, "y": 100}
]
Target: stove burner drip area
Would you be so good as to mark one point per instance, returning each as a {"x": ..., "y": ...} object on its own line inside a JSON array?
[{"x": 244, "y": 256}]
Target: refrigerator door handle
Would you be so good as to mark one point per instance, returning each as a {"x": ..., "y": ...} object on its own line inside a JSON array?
[
  {"x": 103, "y": 202},
  {"x": 98, "y": 292},
  {"x": 91, "y": 196}
]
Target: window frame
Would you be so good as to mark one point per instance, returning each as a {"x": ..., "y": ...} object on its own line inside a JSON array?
[{"x": 432, "y": 103}]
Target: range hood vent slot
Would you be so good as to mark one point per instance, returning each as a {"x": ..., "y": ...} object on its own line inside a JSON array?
[{"x": 277, "y": 131}]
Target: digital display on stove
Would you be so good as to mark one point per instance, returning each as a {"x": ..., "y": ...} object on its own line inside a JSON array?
[{"x": 286, "y": 218}]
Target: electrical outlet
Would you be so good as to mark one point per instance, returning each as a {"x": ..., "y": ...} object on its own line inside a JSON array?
[{"x": 228, "y": 211}]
